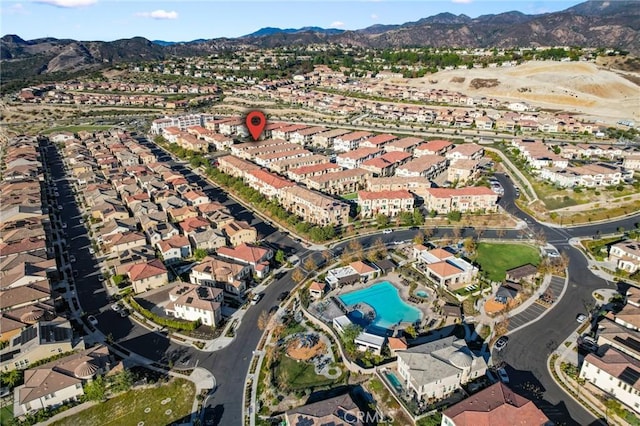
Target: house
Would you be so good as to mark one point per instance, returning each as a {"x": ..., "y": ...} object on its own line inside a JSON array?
[
  {"x": 444, "y": 268},
  {"x": 55, "y": 383},
  {"x": 355, "y": 158},
  {"x": 349, "y": 141},
  {"x": 256, "y": 257},
  {"x": 117, "y": 243},
  {"x": 317, "y": 289},
  {"x": 196, "y": 303},
  {"x": 207, "y": 239},
  {"x": 221, "y": 273},
  {"x": 174, "y": 249},
  {"x": 629, "y": 316},
  {"x": 524, "y": 272},
  {"x": 147, "y": 275},
  {"x": 436, "y": 369},
  {"x": 389, "y": 203},
  {"x": 427, "y": 166},
  {"x": 38, "y": 341},
  {"x": 407, "y": 144},
  {"x": 266, "y": 183},
  {"x": 496, "y": 405},
  {"x": 370, "y": 342},
  {"x": 240, "y": 232},
  {"x": 195, "y": 197},
  {"x": 336, "y": 411},
  {"x": 397, "y": 344},
  {"x": 626, "y": 255},
  {"x": 160, "y": 232},
  {"x": 355, "y": 271},
  {"x": 462, "y": 171},
  {"x": 615, "y": 373}
]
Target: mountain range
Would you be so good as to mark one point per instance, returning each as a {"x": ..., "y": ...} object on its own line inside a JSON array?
[{"x": 594, "y": 23}]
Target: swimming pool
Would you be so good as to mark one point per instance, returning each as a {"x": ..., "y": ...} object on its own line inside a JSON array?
[
  {"x": 384, "y": 299},
  {"x": 394, "y": 382}
]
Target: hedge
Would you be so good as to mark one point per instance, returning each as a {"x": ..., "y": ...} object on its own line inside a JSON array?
[{"x": 167, "y": 322}]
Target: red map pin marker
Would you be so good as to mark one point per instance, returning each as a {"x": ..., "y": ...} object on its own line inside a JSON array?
[{"x": 255, "y": 122}]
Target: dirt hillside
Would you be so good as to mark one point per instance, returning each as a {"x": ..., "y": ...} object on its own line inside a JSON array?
[{"x": 575, "y": 87}]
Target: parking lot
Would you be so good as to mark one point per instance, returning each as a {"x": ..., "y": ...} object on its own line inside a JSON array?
[{"x": 535, "y": 310}]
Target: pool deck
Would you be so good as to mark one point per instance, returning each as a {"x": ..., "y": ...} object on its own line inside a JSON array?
[{"x": 403, "y": 292}]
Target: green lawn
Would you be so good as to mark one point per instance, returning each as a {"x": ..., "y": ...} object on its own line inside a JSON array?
[
  {"x": 496, "y": 259},
  {"x": 129, "y": 408},
  {"x": 301, "y": 374},
  {"x": 75, "y": 129},
  {"x": 6, "y": 414}
]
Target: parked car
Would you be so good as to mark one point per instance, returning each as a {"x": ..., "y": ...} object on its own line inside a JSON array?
[
  {"x": 283, "y": 296},
  {"x": 92, "y": 320},
  {"x": 501, "y": 343},
  {"x": 256, "y": 298},
  {"x": 72, "y": 258},
  {"x": 273, "y": 310},
  {"x": 581, "y": 318},
  {"x": 64, "y": 225},
  {"x": 502, "y": 374},
  {"x": 91, "y": 250},
  {"x": 387, "y": 231},
  {"x": 115, "y": 307}
]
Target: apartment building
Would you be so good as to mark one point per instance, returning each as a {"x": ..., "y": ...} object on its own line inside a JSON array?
[
  {"x": 353, "y": 159},
  {"x": 427, "y": 166},
  {"x": 325, "y": 139},
  {"x": 466, "y": 151},
  {"x": 469, "y": 199},
  {"x": 389, "y": 203},
  {"x": 314, "y": 207},
  {"x": 415, "y": 185},
  {"x": 408, "y": 144},
  {"x": 341, "y": 182},
  {"x": 235, "y": 166},
  {"x": 266, "y": 183},
  {"x": 349, "y": 141},
  {"x": 589, "y": 175},
  {"x": 434, "y": 147},
  {"x": 300, "y": 174},
  {"x": 378, "y": 141}
]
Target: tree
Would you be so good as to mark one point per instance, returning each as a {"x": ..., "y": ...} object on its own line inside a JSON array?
[
  {"x": 500, "y": 233},
  {"x": 310, "y": 264},
  {"x": 457, "y": 232},
  {"x": 470, "y": 246},
  {"x": 327, "y": 256},
  {"x": 419, "y": 238},
  {"x": 382, "y": 220},
  {"x": 96, "y": 390},
  {"x": 305, "y": 297},
  {"x": 122, "y": 381},
  {"x": 263, "y": 320},
  {"x": 199, "y": 254},
  {"x": 280, "y": 257},
  {"x": 348, "y": 336},
  {"x": 297, "y": 275},
  {"x": 354, "y": 249},
  {"x": 411, "y": 331},
  {"x": 418, "y": 217},
  {"x": 480, "y": 231},
  {"x": 428, "y": 232},
  {"x": 502, "y": 326},
  {"x": 539, "y": 237},
  {"x": 11, "y": 378},
  {"x": 378, "y": 251}
]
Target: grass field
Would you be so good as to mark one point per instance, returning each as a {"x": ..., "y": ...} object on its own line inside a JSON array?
[
  {"x": 75, "y": 129},
  {"x": 301, "y": 374},
  {"x": 6, "y": 414},
  {"x": 496, "y": 259},
  {"x": 128, "y": 409}
]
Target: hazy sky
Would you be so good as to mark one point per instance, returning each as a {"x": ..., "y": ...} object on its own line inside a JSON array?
[{"x": 189, "y": 20}]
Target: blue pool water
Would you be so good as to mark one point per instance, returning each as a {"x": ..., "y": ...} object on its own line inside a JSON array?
[
  {"x": 384, "y": 299},
  {"x": 394, "y": 381},
  {"x": 422, "y": 293}
]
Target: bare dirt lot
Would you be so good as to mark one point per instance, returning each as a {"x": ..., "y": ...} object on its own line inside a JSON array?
[{"x": 575, "y": 87}]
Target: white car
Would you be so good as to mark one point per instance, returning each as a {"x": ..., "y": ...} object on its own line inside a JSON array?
[
  {"x": 115, "y": 307},
  {"x": 72, "y": 258},
  {"x": 504, "y": 377},
  {"x": 59, "y": 206},
  {"x": 64, "y": 225},
  {"x": 91, "y": 250},
  {"x": 256, "y": 298},
  {"x": 92, "y": 320},
  {"x": 387, "y": 231},
  {"x": 581, "y": 318}
]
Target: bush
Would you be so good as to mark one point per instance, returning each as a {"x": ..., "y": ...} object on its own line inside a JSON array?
[{"x": 454, "y": 216}]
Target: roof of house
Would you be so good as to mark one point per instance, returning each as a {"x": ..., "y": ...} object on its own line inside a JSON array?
[
  {"x": 336, "y": 411},
  {"x": 244, "y": 252},
  {"x": 177, "y": 241},
  {"x": 459, "y": 192},
  {"x": 149, "y": 269},
  {"x": 444, "y": 269},
  {"x": 434, "y": 145},
  {"x": 496, "y": 405},
  {"x": 385, "y": 195},
  {"x": 397, "y": 343},
  {"x": 617, "y": 364},
  {"x": 522, "y": 271},
  {"x": 362, "y": 268}
]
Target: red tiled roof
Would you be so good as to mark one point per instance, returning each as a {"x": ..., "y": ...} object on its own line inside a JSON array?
[
  {"x": 152, "y": 268},
  {"x": 244, "y": 252},
  {"x": 460, "y": 192},
  {"x": 496, "y": 405},
  {"x": 385, "y": 195}
]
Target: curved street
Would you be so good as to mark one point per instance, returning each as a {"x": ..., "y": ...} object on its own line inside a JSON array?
[{"x": 525, "y": 356}]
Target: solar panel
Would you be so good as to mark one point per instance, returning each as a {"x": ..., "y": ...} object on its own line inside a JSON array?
[
  {"x": 189, "y": 300},
  {"x": 629, "y": 376},
  {"x": 629, "y": 342}
]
